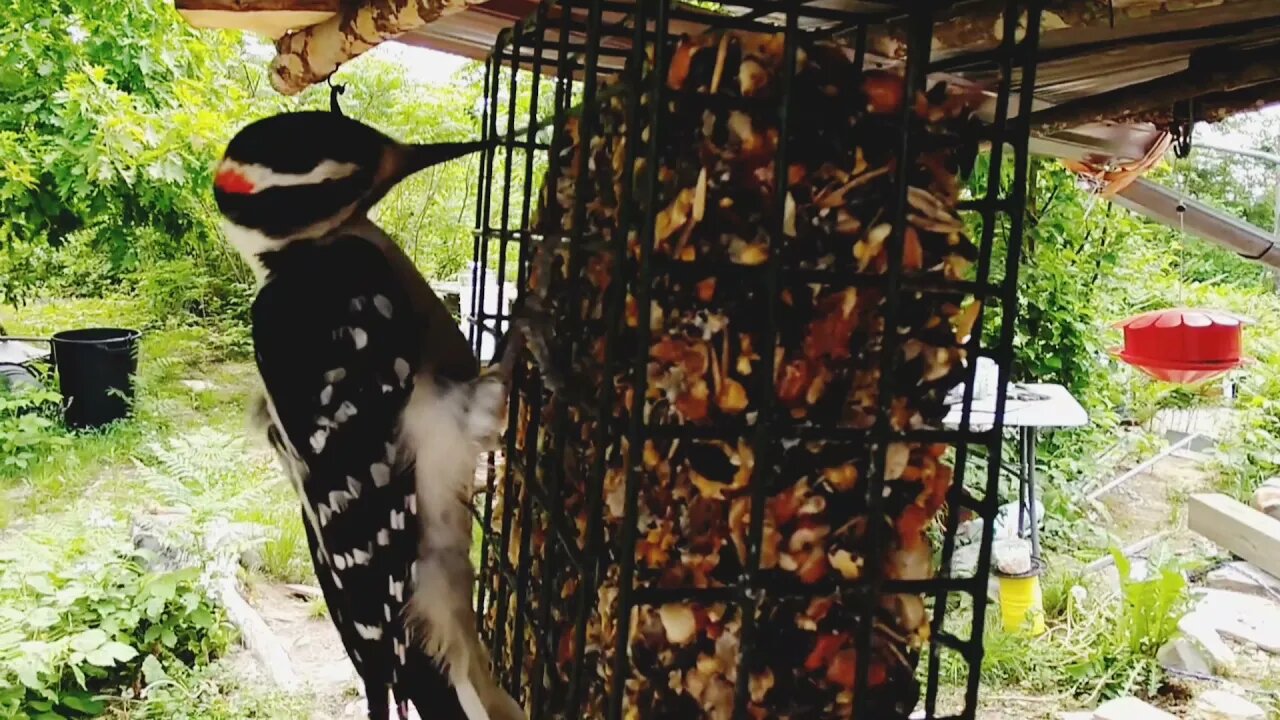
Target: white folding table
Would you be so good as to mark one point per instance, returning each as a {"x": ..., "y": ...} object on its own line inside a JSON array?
[{"x": 1029, "y": 407}]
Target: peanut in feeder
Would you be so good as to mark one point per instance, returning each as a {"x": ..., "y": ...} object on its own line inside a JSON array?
[{"x": 742, "y": 511}]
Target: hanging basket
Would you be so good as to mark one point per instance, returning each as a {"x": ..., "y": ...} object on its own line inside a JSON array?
[{"x": 1183, "y": 345}]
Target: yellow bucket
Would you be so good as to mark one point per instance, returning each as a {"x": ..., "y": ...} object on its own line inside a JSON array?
[{"x": 1020, "y": 602}]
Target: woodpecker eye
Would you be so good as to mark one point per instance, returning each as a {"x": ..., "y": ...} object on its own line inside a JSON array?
[{"x": 231, "y": 181}]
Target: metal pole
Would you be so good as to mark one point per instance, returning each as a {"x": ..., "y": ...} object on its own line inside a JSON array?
[
  {"x": 1264, "y": 156},
  {"x": 1143, "y": 467}
]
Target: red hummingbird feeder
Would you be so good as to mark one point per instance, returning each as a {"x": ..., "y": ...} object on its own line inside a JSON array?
[{"x": 1183, "y": 345}]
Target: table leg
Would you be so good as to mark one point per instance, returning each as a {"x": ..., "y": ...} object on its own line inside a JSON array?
[
  {"x": 1029, "y": 443},
  {"x": 1022, "y": 482}
]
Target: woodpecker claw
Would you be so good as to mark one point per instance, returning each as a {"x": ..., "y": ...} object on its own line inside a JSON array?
[{"x": 530, "y": 332}]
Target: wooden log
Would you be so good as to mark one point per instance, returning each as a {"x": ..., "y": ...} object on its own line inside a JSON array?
[
  {"x": 257, "y": 636},
  {"x": 307, "y": 592},
  {"x": 270, "y": 18},
  {"x": 1238, "y": 528},
  {"x": 311, "y": 55}
]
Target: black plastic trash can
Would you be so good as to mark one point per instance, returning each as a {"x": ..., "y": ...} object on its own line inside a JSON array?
[{"x": 95, "y": 374}]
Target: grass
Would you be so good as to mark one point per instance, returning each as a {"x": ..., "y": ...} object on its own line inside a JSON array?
[
  {"x": 182, "y": 446},
  {"x": 163, "y": 406},
  {"x": 1097, "y": 645}
]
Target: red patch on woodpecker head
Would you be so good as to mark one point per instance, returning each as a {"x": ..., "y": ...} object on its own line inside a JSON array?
[{"x": 231, "y": 181}]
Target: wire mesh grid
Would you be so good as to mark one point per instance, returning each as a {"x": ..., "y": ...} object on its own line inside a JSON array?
[{"x": 659, "y": 547}]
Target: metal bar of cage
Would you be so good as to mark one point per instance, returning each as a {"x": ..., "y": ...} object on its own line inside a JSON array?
[
  {"x": 920, "y": 37},
  {"x": 749, "y": 605},
  {"x": 536, "y": 484},
  {"x": 635, "y": 429}
]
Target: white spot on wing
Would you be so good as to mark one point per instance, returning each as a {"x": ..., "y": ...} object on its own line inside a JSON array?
[
  {"x": 359, "y": 557},
  {"x": 318, "y": 440},
  {"x": 335, "y": 375},
  {"x": 345, "y": 411},
  {"x": 353, "y": 487},
  {"x": 369, "y": 632},
  {"x": 325, "y": 513},
  {"x": 338, "y": 499},
  {"x": 386, "y": 611},
  {"x": 397, "y": 520},
  {"x": 384, "y": 537},
  {"x": 336, "y": 580},
  {"x": 340, "y": 561},
  {"x": 359, "y": 337},
  {"x": 356, "y": 304},
  {"x": 383, "y": 305},
  {"x": 411, "y": 503},
  {"x": 326, "y": 394},
  {"x": 402, "y": 370},
  {"x": 380, "y": 473}
]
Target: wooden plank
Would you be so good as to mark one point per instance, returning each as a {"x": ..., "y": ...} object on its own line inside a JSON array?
[
  {"x": 1236, "y": 527},
  {"x": 272, "y": 24}
]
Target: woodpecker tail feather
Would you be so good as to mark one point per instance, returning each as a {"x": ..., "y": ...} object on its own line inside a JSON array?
[{"x": 450, "y": 425}]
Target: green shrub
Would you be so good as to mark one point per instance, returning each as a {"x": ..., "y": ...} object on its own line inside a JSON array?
[
  {"x": 29, "y": 429},
  {"x": 78, "y": 629},
  {"x": 1123, "y": 659}
]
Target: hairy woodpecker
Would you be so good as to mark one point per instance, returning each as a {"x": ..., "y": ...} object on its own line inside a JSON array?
[{"x": 373, "y": 401}]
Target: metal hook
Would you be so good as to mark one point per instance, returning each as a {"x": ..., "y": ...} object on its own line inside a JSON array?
[
  {"x": 1181, "y": 131},
  {"x": 334, "y": 92}
]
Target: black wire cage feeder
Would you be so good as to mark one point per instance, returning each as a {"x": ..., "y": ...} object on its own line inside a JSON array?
[{"x": 766, "y": 271}]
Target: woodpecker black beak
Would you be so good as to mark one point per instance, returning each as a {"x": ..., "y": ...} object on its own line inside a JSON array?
[
  {"x": 400, "y": 161},
  {"x": 427, "y": 155}
]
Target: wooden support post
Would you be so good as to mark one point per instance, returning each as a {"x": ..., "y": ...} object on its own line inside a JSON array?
[{"x": 1238, "y": 528}]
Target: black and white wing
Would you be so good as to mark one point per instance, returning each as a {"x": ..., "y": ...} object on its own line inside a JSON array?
[{"x": 338, "y": 346}]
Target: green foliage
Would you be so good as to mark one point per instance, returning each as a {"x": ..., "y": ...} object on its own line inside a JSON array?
[
  {"x": 82, "y": 621},
  {"x": 29, "y": 429},
  {"x": 212, "y": 692},
  {"x": 1123, "y": 661},
  {"x": 211, "y": 476},
  {"x": 1095, "y": 646}
]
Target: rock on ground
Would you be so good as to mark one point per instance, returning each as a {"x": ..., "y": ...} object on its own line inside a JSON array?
[
  {"x": 1180, "y": 655},
  {"x": 1222, "y": 705},
  {"x": 1245, "y": 577},
  {"x": 1130, "y": 708}
]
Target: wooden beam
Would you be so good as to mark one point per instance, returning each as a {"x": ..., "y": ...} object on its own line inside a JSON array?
[
  {"x": 1236, "y": 527},
  {"x": 270, "y": 18},
  {"x": 978, "y": 25},
  {"x": 1159, "y": 95},
  {"x": 1214, "y": 107}
]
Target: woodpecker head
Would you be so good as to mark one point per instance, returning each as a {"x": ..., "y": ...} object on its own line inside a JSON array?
[{"x": 301, "y": 175}]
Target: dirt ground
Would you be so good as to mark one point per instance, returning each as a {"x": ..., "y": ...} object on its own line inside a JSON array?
[
  {"x": 1149, "y": 503},
  {"x": 314, "y": 648}
]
